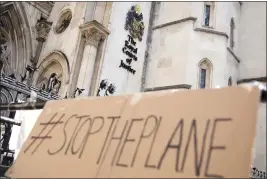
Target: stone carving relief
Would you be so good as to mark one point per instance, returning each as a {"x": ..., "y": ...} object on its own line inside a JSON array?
[
  {"x": 43, "y": 27},
  {"x": 14, "y": 53},
  {"x": 50, "y": 79},
  {"x": 4, "y": 51},
  {"x": 63, "y": 22},
  {"x": 106, "y": 88},
  {"x": 53, "y": 84},
  {"x": 28, "y": 71},
  {"x": 4, "y": 24},
  {"x": 92, "y": 36}
]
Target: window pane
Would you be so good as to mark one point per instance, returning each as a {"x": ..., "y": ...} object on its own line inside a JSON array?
[
  {"x": 207, "y": 15},
  {"x": 232, "y": 34},
  {"x": 203, "y": 78}
]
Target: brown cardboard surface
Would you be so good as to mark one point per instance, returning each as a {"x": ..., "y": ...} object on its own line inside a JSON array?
[{"x": 205, "y": 133}]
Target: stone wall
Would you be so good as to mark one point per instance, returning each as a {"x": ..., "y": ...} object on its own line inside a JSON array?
[
  {"x": 125, "y": 81},
  {"x": 252, "y": 40},
  {"x": 33, "y": 15},
  {"x": 180, "y": 42},
  {"x": 65, "y": 43}
]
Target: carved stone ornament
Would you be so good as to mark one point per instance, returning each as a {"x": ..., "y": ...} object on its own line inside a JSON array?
[
  {"x": 43, "y": 27},
  {"x": 92, "y": 36},
  {"x": 63, "y": 22}
]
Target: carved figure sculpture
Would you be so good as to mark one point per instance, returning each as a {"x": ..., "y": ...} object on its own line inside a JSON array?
[
  {"x": 42, "y": 87},
  {"x": 57, "y": 86},
  {"x": 29, "y": 70},
  {"x": 64, "y": 24},
  {"x": 51, "y": 82}
]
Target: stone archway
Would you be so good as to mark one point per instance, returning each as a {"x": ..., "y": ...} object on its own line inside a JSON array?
[
  {"x": 15, "y": 38},
  {"x": 55, "y": 64}
]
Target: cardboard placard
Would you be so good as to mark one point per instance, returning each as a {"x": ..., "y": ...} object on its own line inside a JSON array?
[{"x": 196, "y": 133}]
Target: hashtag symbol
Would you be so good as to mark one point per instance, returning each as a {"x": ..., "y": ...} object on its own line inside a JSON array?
[{"x": 41, "y": 137}]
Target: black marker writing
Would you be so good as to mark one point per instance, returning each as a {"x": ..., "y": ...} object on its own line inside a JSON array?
[
  {"x": 43, "y": 137},
  {"x": 91, "y": 132},
  {"x": 155, "y": 131},
  {"x": 198, "y": 162},
  {"x": 144, "y": 135},
  {"x": 119, "y": 138},
  {"x": 179, "y": 128},
  {"x": 65, "y": 137},
  {"x": 113, "y": 118},
  {"x": 211, "y": 147},
  {"x": 127, "y": 139}
]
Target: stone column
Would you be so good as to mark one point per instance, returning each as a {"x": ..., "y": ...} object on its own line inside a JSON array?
[
  {"x": 42, "y": 27},
  {"x": 92, "y": 33}
]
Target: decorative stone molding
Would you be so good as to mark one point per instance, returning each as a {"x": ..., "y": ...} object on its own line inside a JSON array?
[
  {"x": 248, "y": 80},
  {"x": 93, "y": 32},
  {"x": 48, "y": 5},
  {"x": 44, "y": 6},
  {"x": 92, "y": 36},
  {"x": 211, "y": 31},
  {"x": 175, "y": 22},
  {"x": 180, "y": 86},
  {"x": 43, "y": 27},
  {"x": 234, "y": 55}
]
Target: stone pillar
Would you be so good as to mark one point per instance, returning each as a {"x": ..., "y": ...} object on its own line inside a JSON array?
[
  {"x": 92, "y": 33},
  {"x": 42, "y": 27}
]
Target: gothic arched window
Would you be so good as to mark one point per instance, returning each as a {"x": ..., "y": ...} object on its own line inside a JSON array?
[
  {"x": 232, "y": 27},
  {"x": 205, "y": 68},
  {"x": 230, "y": 82}
]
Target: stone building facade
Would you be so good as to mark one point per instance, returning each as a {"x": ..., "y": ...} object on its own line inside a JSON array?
[{"x": 112, "y": 48}]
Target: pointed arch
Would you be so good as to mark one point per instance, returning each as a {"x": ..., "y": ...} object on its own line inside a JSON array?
[
  {"x": 205, "y": 68},
  {"x": 55, "y": 62},
  {"x": 14, "y": 21}
]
